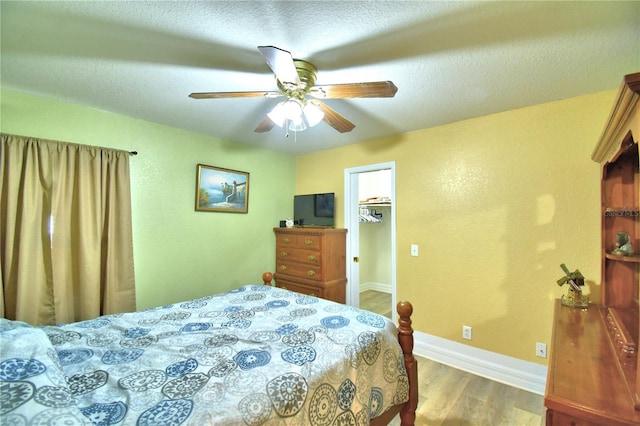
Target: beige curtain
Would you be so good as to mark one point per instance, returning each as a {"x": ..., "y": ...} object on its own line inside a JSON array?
[{"x": 66, "y": 247}]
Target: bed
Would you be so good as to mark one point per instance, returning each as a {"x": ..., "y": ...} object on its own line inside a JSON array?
[{"x": 256, "y": 355}]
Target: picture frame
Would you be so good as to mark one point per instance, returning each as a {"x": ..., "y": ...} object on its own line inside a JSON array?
[{"x": 221, "y": 190}]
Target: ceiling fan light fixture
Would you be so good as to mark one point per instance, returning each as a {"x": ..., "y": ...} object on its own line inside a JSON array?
[
  {"x": 297, "y": 125},
  {"x": 292, "y": 109},
  {"x": 277, "y": 114},
  {"x": 293, "y": 114},
  {"x": 312, "y": 113}
]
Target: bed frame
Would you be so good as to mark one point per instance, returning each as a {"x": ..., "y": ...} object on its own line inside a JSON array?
[{"x": 407, "y": 410}]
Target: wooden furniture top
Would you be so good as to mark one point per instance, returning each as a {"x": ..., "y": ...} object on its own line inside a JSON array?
[
  {"x": 620, "y": 119},
  {"x": 310, "y": 230},
  {"x": 584, "y": 379}
]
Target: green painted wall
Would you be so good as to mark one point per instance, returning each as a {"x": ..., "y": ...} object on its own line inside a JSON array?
[{"x": 179, "y": 253}]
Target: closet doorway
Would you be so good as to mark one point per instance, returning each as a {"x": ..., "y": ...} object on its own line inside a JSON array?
[{"x": 371, "y": 240}]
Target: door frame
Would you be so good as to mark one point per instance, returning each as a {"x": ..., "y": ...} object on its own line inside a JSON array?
[{"x": 351, "y": 209}]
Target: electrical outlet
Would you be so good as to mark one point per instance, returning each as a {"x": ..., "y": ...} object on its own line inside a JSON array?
[
  {"x": 466, "y": 332},
  {"x": 541, "y": 350},
  {"x": 414, "y": 249}
]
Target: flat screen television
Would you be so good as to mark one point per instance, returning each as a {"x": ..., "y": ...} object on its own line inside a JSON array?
[{"x": 314, "y": 210}]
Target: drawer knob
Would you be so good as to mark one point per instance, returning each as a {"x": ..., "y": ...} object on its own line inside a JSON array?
[
  {"x": 283, "y": 267},
  {"x": 311, "y": 272},
  {"x": 308, "y": 242},
  {"x": 286, "y": 240},
  {"x": 311, "y": 257},
  {"x": 283, "y": 254}
]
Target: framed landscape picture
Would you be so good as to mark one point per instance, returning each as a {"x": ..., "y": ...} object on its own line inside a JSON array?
[{"x": 221, "y": 190}]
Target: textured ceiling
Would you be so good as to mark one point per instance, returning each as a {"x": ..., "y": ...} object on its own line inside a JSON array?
[{"x": 450, "y": 60}]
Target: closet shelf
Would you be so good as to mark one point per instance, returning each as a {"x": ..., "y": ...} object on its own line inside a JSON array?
[{"x": 375, "y": 204}]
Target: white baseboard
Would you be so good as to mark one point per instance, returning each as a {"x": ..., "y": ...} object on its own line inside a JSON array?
[
  {"x": 511, "y": 371},
  {"x": 384, "y": 288}
]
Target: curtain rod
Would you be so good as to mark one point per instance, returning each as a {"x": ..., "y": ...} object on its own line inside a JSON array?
[{"x": 133, "y": 152}]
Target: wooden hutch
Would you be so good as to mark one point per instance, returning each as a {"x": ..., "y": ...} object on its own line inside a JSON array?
[{"x": 594, "y": 375}]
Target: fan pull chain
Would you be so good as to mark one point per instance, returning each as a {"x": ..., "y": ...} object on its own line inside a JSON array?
[{"x": 286, "y": 131}]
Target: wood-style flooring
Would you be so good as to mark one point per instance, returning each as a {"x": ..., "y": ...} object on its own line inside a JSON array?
[
  {"x": 452, "y": 397},
  {"x": 376, "y": 301}
]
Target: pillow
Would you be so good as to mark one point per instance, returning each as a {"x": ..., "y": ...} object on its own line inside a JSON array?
[{"x": 33, "y": 388}]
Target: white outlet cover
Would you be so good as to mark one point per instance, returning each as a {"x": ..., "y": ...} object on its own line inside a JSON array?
[{"x": 466, "y": 332}]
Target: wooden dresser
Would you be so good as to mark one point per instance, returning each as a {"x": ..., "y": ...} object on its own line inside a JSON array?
[
  {"x": 594, "y": 372},
  {"x": 312, "y": 261}
]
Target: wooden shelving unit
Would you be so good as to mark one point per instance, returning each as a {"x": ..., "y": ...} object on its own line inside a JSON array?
[{"x": 594, "y": 371}]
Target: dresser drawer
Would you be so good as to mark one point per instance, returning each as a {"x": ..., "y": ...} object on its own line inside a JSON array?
[
  {"x": 311, "y": 272},
  {"x": 556, "y": 418},
  {"x": 313, "y": 242},
  {"x": 300, "y": 288},
  {"x": 296, "y": 255}
]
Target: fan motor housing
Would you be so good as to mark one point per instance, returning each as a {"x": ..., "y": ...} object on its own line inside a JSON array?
[{"x": 307, "y": 73}]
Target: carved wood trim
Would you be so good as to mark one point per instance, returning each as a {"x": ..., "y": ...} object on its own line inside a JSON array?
[{"x": 618, "y": 121}]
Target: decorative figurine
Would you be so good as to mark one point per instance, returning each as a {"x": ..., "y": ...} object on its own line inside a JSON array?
[
  {"x": 623, "y": 245},
  {"x": 574, "y": 297}
]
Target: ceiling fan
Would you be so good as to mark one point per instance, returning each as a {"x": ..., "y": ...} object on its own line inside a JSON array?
[{"x": 296, "y": 80}]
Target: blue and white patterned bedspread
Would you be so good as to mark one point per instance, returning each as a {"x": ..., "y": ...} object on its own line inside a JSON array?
[{"x": 255, "y": 355}]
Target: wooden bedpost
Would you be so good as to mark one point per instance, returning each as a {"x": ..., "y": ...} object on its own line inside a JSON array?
[
  {"x": 267, "y": 277},
  {"x": 405, "y": 338}
]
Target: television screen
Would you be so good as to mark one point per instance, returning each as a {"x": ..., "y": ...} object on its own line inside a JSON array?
[{"x": 314, "y": 210}]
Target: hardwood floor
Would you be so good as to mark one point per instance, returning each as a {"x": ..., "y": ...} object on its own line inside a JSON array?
[
  {"x": 376, "y": 301},
  {"x": 452, "y": 397}
]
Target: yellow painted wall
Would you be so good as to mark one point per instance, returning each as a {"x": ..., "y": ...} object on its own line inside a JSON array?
[
  {"x": 496, "y": 204},
  {"x": 179, "y": 253}
]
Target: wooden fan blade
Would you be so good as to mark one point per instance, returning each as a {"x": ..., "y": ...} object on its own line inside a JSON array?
[
  {"x": 281, "y": 63},
  {"x": 335, "y": 120},
  {"x": 265, "y": 126},
  {"x": 374, "y": 89},
  {"x": 219, "y": 95}
]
